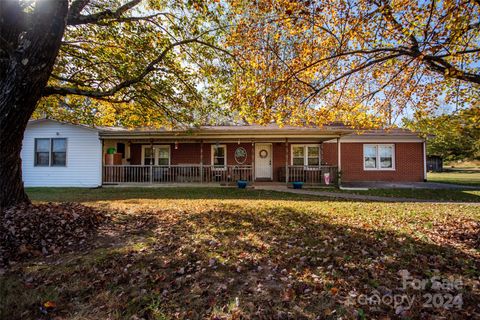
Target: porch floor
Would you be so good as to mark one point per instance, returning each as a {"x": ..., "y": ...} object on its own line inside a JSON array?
[{"x": 190, "y": 184}]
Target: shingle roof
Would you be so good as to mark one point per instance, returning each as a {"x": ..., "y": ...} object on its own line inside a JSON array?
[{"x": 336, "y": 129}]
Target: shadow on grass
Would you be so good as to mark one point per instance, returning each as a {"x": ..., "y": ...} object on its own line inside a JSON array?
[
  {"x": 187, "y": 193},
  {"x": 225, "y": 193},
  {"x": 231, "y": 263}
]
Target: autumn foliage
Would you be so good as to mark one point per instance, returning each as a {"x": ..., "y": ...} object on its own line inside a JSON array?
[{"x": 362, "y": 62}]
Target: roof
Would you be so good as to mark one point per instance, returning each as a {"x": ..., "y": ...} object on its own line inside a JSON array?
[
  {"x": 83, "y": 126},
  {"x": 387, "y": 132},
  {"x": 270, "y": 130},
  {"x": 229, "y": 132},
  {"x": 230, "y": 128}
]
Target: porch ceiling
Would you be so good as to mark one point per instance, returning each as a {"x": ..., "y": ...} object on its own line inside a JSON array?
[
  {"x": 225, "y": 139},
  {"x": 234, "y": 136}
]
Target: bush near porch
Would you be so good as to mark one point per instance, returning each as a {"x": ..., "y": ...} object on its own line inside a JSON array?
[{"x": 223, "y": 253}]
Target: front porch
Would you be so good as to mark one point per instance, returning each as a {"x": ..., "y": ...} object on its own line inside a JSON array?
[
  {"x": 204, "y": 174},
  {"x": 221, "y": 155}
]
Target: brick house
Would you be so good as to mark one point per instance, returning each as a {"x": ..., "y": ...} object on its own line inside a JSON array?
[{"x": 61, "y": 154}]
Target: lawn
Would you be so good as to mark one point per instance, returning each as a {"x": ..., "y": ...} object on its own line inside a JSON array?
[
  {"x": 468, "y": 177},
  {"x": 453, "y": 195},
  {"x": 221, "y": 253}
]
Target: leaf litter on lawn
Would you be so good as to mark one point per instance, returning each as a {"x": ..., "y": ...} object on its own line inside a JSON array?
[{"x": 231, "y": 260}]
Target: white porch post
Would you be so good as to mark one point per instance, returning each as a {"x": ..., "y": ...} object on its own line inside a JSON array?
[
  {"x": 424, "y": 160},
  {"x": 153, "y": 155},
  {"x": 102, "y": 163},
  {"x": 286, "y": 161},
  {"x": 339, "y": 156},
  {"x": 201, "y": 161},
  {"x": 253, "y": 162}
]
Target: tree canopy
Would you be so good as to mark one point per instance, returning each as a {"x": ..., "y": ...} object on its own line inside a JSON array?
[
  {"x": 357, "y": 61},
  {"x": 137, "y": 63},
  {"x": 453, "y": 136}
]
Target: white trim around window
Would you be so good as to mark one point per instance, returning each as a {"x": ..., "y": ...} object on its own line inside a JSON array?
[
  {"x": 212, "y": 156},
  {"x": 50, "y": 152},
  {"x": 374, "y": 154},
  {"x": 305, "y": 154},
  {"x": 156, "y": 154}
]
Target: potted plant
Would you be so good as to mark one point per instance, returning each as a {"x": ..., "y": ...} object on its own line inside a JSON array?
[
  {"x": 297, "y": 184},
  {"x": 242, "y": 184}
]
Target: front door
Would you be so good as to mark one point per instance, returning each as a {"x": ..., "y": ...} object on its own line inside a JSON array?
[{"x": 263, "y": 161}]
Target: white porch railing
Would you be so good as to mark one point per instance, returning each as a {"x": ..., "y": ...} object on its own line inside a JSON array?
[
  {"x": 310, "y": 174},
  {"x": 175, "y": 173}
]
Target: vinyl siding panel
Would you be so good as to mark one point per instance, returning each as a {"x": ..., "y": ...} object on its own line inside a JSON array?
[{"x": 84, "y": 156}]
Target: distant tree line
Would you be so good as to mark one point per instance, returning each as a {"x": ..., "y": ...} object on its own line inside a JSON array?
[{"x": 456, "y": 136}]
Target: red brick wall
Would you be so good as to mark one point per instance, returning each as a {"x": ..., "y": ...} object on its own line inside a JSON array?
[
  {"x": 231, "y": 147},
  {"x": 187, "y": 153},
  {"x": 329, "y": 155},
  {"x": 278, "y": 159},
  {"x": 408, "y": 163},
  {"x": 408, "y": 159}
]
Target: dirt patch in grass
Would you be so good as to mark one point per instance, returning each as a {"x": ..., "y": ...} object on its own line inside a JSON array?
[{"x": 257, "y": 259}]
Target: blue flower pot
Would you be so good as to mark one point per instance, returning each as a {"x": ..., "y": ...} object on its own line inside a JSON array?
[
  {"x": 297, "y": 185},
  {"x": 242, "y": 184}
]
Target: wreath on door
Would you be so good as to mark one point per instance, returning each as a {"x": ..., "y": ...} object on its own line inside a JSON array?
[{"x": 263, "y": 153}]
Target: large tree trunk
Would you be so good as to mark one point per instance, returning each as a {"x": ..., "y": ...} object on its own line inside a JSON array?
[{"x": 29, "y": 44}]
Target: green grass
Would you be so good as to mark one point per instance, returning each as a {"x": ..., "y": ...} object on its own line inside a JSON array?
[
  {"x": 224, "y": 253},
  {"x": 122, "y": 193},
  {"x": 462, "y": 177},
  {"x": 459, "y": 176},
  {"x": 461, "y": 195}
]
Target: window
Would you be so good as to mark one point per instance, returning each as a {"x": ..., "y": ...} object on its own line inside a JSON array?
[
  {"x": 370, "y": 157},
  {"x": 298, "y": 155},
  {"x": 313, "y": 156},
  {"x": 42, "y": 152},
  {"x": 50, "y": 152},
  {"x": 59, "y": 152},
  {"x": 157, "y": 156},
  {"x": 164, "y": 156},
  {"x": 148, "y": 156},
  {"x": 305, "y": 155},
  {"x": 378, "y": 157},
  {"x": 219, "y": 156},
  {"x": 121, "y": 149}
]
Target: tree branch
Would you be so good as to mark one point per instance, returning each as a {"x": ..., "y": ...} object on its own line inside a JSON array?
[
  {"x": 51, "y": 90},
  {"x": 76, "y": 7},
  {"x": 364, "y": 66},
  {"x": 387, "y": 13},
  {"x": 76, "y": 18},
  {"x": 446, "y": 69}
]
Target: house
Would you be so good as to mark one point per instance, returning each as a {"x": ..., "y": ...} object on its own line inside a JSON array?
[{"x": 62, "y": 154}]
